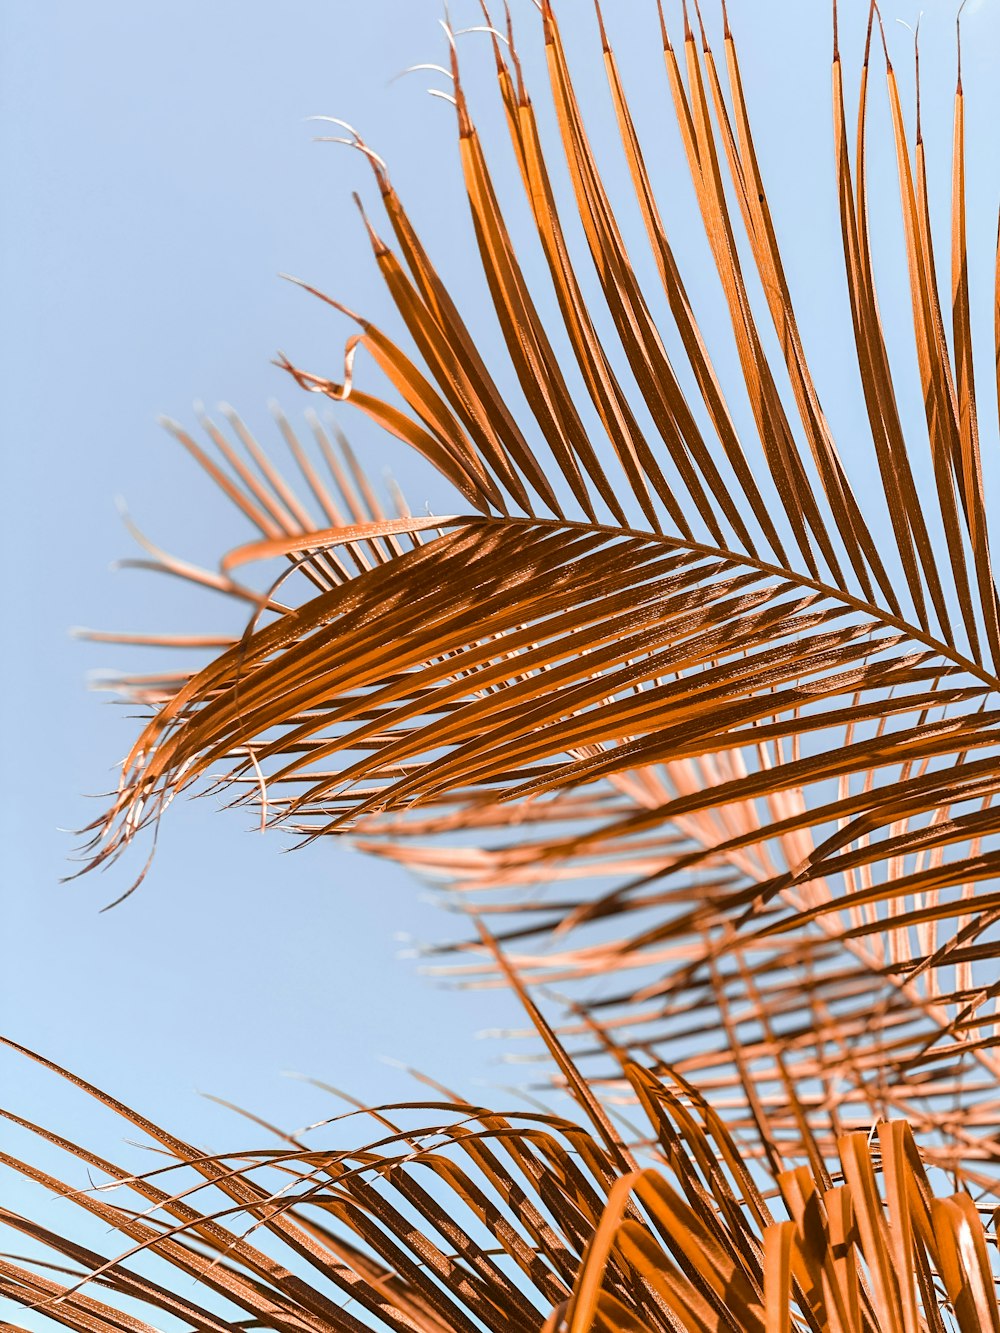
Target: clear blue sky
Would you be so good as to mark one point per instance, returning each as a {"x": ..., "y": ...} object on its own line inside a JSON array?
[{"x": 159, "y": 173}]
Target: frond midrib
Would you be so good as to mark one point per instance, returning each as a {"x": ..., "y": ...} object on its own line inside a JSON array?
[{"x": 832, "y": 591}]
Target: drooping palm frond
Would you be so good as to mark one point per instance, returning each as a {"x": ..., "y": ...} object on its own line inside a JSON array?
[
  {"x": 462, "y": 1218},
  {"x": 758, "y": 715}
]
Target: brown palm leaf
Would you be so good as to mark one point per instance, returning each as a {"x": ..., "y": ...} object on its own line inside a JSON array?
[
  {"x": 462, "y": 1218},
  {"x": 677, "y": 670}
]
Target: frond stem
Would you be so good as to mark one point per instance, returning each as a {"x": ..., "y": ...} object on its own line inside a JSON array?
[{"x": 946, "y": 650}]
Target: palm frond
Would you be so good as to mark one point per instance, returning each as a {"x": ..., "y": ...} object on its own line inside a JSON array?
[
  {"x": 764, "y": 731},
  {"x": 460, "y": 1217}
]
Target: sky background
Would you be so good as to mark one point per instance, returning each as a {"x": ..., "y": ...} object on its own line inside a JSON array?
[{"x": 159, "y": 173}]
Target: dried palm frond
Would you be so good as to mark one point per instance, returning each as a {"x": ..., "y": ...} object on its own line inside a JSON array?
[
  {"x": 462, "y": 1218},
  {"x": 689, "y": 667}
]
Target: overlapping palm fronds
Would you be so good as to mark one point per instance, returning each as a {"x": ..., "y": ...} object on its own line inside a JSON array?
[
  {"x": 682, "y": 668},
  {"x": 461, "y": 1218}
]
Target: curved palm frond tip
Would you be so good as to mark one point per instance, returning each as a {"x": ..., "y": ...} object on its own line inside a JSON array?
[{"x": 677, "y": 654}]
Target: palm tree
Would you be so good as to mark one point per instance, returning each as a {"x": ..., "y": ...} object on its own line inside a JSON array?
[{"x": 752, "y": 713}]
